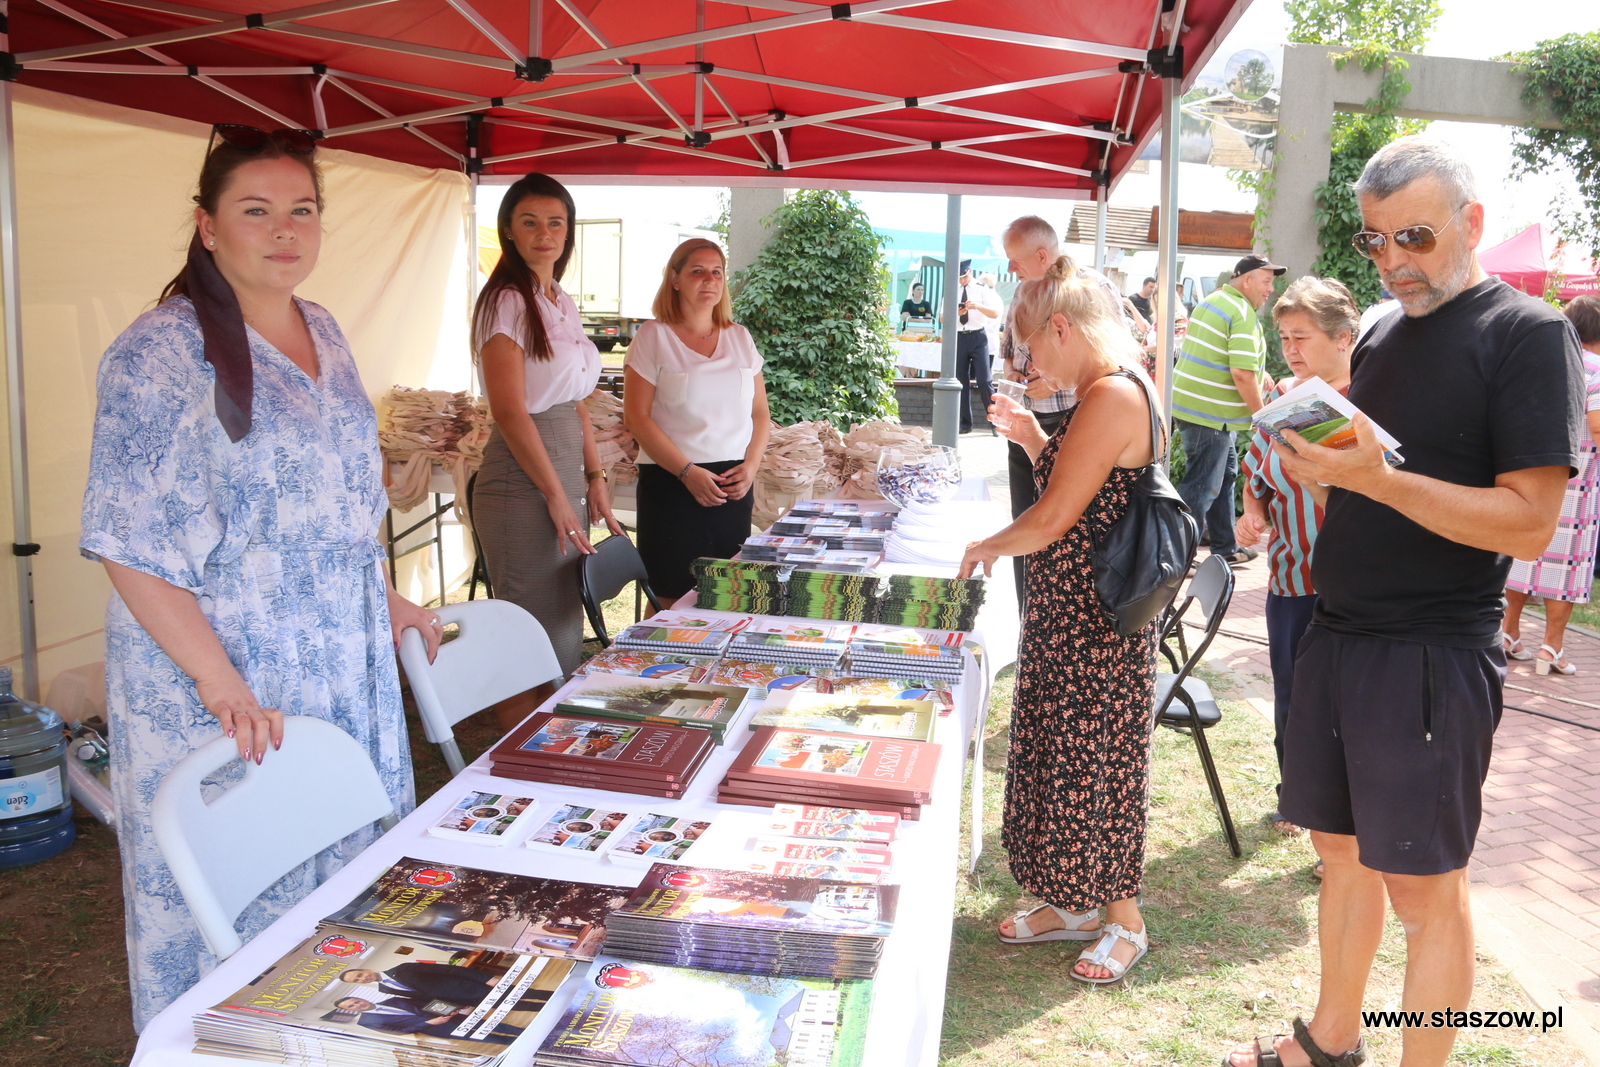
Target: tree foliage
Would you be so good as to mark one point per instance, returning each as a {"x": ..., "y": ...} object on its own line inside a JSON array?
[
  {"x": 814, "y": 303},
  {"x": 1563, "y": 76},
  {"x": 1373, "y": 31}
]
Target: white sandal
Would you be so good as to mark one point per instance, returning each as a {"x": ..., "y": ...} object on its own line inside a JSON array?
[
  {"x": 1512, "y": 646},
  {"x": 1100, "y": 953},
  {"x": 1069, "y": 931},
  {"x": 1555, "y": 662}
]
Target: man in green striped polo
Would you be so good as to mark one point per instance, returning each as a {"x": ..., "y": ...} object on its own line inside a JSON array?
[{"x": 1216, "y": 385}]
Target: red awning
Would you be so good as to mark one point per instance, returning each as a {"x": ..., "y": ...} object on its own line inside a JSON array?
[
  {"x": 947, "y": 95},
  {"x": 1528, "y": 260}
]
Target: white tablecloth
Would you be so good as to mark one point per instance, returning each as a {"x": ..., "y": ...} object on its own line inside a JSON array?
[{"x": 909, "y": 995}]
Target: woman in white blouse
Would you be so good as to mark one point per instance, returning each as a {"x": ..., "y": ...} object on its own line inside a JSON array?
[
  {"x": 541, "y": 484},
  {"x": 695, "y": 401}
]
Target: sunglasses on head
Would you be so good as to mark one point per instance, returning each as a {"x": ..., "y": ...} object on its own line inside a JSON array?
[
  {"x": 1418, "y": 240},
  {"x": 253, "y": 139}
]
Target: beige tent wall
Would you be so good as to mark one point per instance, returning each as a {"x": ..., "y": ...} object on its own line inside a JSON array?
[{"x": 104, "y": 220}]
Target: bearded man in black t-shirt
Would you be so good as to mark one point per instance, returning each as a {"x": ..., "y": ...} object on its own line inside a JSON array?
[{"x": 1397, "y": 687}]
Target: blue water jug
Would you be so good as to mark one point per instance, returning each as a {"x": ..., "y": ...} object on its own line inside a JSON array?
[{"x": 35, "y": 800}]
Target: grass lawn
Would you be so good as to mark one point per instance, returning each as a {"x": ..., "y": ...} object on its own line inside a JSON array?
[{"x": 1233, "y": 951}]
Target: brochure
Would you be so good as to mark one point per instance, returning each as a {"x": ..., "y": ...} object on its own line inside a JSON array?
[{"x": 1315, "y": 410}]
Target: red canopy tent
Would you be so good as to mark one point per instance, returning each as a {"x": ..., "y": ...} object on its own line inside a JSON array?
[
  {"x": 1533, "y": 258},
  {"x": 1045, "y": 98}
]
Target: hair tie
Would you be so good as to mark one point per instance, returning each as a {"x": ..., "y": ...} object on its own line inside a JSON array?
[{"x": 227, "y": 348}]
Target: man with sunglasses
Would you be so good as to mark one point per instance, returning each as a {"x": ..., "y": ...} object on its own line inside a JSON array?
[{"x": 1398, "y": 681}]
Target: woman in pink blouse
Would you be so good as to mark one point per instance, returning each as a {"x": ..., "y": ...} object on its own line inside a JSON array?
[
  {"x": 541, "y": 484},
  {"x": 695, "y": 401}
]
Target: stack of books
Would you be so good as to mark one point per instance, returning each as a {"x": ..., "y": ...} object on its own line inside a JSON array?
[
  {"x": 793, "y": 525},
  {"x": 750, "y": 923},
  {"x": 646, "y": 664},
  {"x": 830, "y": 594},
  {"x": 767, "y": 677},
  {"x": 670, "y": 701},
  {"x": 817, "y": 766},
  {"x": 938, "y": 693},
  {"x": 637, "y": 1014},
  {"x": 330, "y": 1001},
  {"x": 814, "y": 646},
  {"x": 928, "y": 602},
  {"x": 741, "y": 585},
  {"x": 767, "y": 548},
  {"x": 590, "y": 752},
  {"x": 681, "y": 632},
  {"x": 844, "y": 861},
  {"x": 848, "y": 713},
  {"x": 847, "y": 562},
  {"x": 900, "y": 653},
  {"x": 833, "y": 824}
]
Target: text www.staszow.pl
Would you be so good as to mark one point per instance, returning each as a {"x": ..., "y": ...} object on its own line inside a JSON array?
[{"x": 1450, "y": 1018}]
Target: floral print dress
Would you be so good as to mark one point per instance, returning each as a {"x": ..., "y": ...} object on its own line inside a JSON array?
[
  {"x": 1078, "y": 766},
  {"x": 276, "y": 536}
]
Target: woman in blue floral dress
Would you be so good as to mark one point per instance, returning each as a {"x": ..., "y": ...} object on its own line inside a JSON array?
[{"x": 234, "y": 497}]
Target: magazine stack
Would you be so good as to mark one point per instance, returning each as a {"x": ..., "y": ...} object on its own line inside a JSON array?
[
  {"x": 763, "y": 677},
  {"x": 814, "y": 646},
  {"x": 848, "y": 713},
  {"x": 637, "y": 1014},
  {"x": 770, "y": 549},
  {"x": 751, "y": 923},
  {"x": 832, "y": 594},
  {"x": 667, "y": 701},
  {"x": 847, "y": 770},
  {"x": 681, "y": 632},
  {"x": 904, "y": 653},
  {"x": 929, "y": 602},
  {"x": 590, "y": 752},
  {"x": 741, "y": 585}
]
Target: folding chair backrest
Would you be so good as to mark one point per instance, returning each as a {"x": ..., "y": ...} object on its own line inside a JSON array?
[
  {"x": 501, "y": 651},
  {"x": 614, "y": 563},
  {"x": 319, "y": 788},
  {"x": 1211, "y": 589}
]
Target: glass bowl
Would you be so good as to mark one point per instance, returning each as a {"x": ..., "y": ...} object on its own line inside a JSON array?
[{"x": 921, "y": 474}]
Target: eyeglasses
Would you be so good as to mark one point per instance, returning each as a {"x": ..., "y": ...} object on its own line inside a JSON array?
[
  {"x": 254, "y": 139},
  {"x": 1418, "y": 240}
]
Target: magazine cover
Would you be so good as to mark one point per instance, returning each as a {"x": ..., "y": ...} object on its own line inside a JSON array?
[
  {"x": 677, "y": 700},
  {"x": 1315, "y": 410},
  {"x": 484, "y": 818},
  {"x": 833, "y": 853},
  {"x": 848, "y": 713},
  {"x": 646, "y": 664},
  {"x": 866, "y": 874},
  {"x": 395, "y": 990},
  {"x": 701, "y": 895},
  {"x": 764, "y": 676},
  {"x": 833, "y": 824},
  {"x": 658, "y": 1016},
  {"x": 485, "y": 909},
  {"x": 577, "y": 830},
  {"x": 652, "y": 838}
]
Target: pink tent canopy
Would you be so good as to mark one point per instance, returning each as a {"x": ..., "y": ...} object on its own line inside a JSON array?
[{"x": 1528, "y": 260}]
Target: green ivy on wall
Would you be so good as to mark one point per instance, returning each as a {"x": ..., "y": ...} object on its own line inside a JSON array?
[
  {"x": 1563, "y": 77},
  {"x": 814, "y": 302}
]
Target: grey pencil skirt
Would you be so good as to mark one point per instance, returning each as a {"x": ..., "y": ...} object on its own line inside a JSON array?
[{"x": 513, "y": 524}]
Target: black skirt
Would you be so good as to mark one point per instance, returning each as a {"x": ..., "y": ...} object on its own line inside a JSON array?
[{"x": 675, "y": 530}]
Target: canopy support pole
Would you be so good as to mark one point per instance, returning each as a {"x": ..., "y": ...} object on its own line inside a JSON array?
[
  {"x": 947, "y": 390},
  {"x": 22, "y": 546},
  {"x": 1100, "y": 227},
  {"x": 1167, "y": 270}
]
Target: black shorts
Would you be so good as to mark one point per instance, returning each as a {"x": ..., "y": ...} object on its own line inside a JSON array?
[{"x": 1390, "y": 741}]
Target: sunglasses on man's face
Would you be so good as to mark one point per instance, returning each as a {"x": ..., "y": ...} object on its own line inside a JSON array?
[
  {"x": 1418, "y": 240},
  {"x": 254, "y": 139}
]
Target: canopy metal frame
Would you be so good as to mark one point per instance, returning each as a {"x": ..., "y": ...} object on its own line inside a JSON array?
[{"x": 609, "y": 65}]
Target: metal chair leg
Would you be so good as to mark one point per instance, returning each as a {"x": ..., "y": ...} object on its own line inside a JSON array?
[
  {"x": 452, "y": 755},
  {"x": 1203, "y": 747},
  {"x": 976, "y": 829}
]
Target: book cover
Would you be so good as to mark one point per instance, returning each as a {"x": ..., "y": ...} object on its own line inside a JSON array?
[
  {"x": 848, "y": 713},
  {"x": 839, "y": 762},
  {"x": 833, "y": 824},
  {"x": 678, "y": 701},
  {"x": 642, "y": 664},
  {"x": 478, "y": 909},
  {"x": 389, "y": 993},
  {"x": 577, "y": 830},
  {"x": 484, "y": 818},
  {"x": 638, "y": 786},
  {"x": 833, "y": 853},
  {"x": 1315, "y": 410},
  {"x": 589, "y": 744},
  {"x": 765, "y": 676},
  {"x": 654, "y": 1015},
  {"x": 938, "y": 693},
  {"x": 866, "y": 874},
  {"x": 742, "y": 900},
  {"x": 652, "y": 838}
]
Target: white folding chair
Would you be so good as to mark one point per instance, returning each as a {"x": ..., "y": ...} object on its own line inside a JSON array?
[
  {"x": 319, "y": 788},
  {"x": 501, "y": 651}
]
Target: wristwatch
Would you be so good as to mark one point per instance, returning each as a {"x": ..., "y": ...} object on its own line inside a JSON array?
[{"x": 590, "y": 476}]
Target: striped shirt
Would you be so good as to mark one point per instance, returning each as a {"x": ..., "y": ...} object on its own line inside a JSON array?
[
  {"x": 1224, "y": 336},
  {"x": 1291, "y": 511}
]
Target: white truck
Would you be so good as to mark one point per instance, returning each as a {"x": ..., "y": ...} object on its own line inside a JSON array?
[{"x": 615, "y": 272}]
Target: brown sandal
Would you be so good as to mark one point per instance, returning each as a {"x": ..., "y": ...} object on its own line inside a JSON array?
[{"x": 1267, "y": 1055}]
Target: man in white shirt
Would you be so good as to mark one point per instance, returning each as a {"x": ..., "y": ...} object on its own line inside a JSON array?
[{"x": 977, "y": 305}]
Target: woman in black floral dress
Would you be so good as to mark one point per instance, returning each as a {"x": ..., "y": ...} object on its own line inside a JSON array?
[{"x": 1078, "y": 767}]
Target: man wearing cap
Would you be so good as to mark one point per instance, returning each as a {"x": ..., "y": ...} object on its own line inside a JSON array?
[
  {"x": 1216, "y": 386},
  {"x": 977, "y": 305}
]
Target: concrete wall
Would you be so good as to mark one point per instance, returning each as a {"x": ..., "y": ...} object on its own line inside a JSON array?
[
  {"x": 1459, "y": 90},
  {"x": 746, "y": 233}
]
